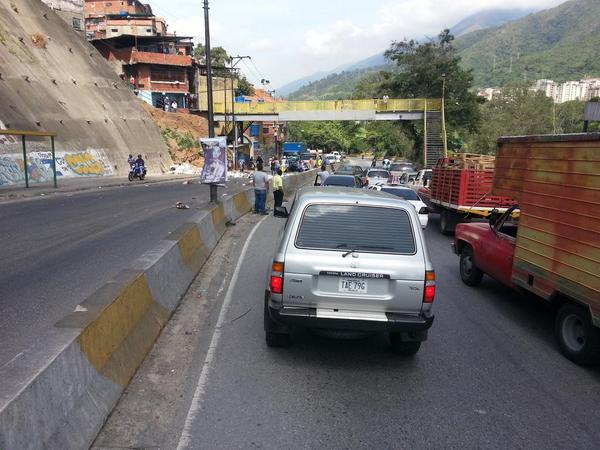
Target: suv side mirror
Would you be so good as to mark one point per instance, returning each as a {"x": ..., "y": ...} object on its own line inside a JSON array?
[{"x": 280, "y": 211}]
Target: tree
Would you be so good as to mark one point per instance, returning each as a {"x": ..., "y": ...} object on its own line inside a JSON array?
[
  {"x": 515, "y": 111},
  {"x": 218, "y": 56},
  {"x": 244, "y": 86},
  {"x": 422, "y": 69},
  {"x": 569, "y": 117}
]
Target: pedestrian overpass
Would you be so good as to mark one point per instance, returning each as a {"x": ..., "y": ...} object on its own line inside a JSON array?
[
  {"x": 291, "y": 111},
  {"x": 430, "y": 111}
]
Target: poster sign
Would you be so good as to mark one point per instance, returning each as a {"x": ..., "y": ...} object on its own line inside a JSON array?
[{"x": 215, "y": 160}]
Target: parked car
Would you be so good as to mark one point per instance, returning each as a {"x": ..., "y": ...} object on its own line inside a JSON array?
[
  {"x": 343, "y": 180},
  {"x": 329, "y": 273},
  {"x": 374, "y": 176},
  {"x": 406, "y": 193}
]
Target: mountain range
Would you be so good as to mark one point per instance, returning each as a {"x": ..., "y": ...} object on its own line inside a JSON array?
[
  {"x": 481, "y": 20},
  {"x": 562, "y": 43}
]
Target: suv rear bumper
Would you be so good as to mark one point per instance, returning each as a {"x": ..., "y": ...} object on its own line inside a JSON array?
[{"x": 307, "y": 318}]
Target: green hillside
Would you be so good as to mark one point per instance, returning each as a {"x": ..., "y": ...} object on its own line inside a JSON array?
[
  {"x": 560, "y": 43},
  {"x": 337, "y": 86}
]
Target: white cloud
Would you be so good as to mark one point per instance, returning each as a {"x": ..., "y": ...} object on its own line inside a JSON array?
[
  {"x": 261, "y": 44},
  {"x": 396, "y": 20}
]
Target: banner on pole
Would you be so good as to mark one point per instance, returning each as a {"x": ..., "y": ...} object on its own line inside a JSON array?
[{"x": 215, "y": 160}]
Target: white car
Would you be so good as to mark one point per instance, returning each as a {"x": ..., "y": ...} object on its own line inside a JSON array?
[
  {"x": 410, "y": 196},
  {"x": 337, "y": 156}
]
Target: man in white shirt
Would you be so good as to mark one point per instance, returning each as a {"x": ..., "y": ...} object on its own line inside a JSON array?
[
  {"x": 322, "y": 175},
  {"x": 261, "y": 184}
]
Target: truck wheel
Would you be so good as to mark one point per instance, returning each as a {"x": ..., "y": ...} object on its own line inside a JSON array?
[
  {"x": 404, "y": 348},
  {"x": 470, "y": 274},
  {"x": 447, "y": 222},
  {"x": 578, "y": 338}
]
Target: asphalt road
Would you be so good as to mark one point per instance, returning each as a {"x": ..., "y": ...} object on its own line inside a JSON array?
[
  {"x": 55, "y": 251},
  {"x": 490, "y": 375}
]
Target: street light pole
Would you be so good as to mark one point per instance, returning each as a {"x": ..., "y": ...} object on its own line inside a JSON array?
[{"x": 209, "y": 91}]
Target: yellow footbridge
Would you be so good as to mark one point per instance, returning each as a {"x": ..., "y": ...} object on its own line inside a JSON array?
[{"x": 375, "y": 109}]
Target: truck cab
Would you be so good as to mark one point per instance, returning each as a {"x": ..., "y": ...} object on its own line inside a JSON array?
[{"x": 487, "y": 248}]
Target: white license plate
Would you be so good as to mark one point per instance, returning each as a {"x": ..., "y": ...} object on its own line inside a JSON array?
[{"x": 354, "y": 285}]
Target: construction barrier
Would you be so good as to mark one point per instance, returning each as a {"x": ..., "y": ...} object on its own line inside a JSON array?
[{"x": 62, "y": 401}]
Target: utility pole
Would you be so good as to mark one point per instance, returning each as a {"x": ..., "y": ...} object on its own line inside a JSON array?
[
  {"x": 237, "y": 59},
  {"x": 209, "y": 92}
]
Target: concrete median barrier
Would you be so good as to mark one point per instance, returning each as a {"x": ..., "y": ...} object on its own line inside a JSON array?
[{"x": 62, "y": 401}]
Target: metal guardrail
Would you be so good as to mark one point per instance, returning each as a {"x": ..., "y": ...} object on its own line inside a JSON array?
[
  {"x": 382, "y": 106},
  {"x": 25, "y": 133}
]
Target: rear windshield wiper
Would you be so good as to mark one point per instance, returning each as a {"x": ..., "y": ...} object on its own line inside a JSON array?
[{"x": 344, "y": 245}]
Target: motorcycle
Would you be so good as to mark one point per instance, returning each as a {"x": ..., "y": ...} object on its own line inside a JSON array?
[{"x": 137, "y": 171}]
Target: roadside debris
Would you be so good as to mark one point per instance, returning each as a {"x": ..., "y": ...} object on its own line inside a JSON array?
[{"x": 181, "y": 205}]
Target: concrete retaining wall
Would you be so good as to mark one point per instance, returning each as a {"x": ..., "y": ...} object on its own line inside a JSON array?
[
  {"x": 61, "y": 402},
  {"x": 52, "y": 79}
]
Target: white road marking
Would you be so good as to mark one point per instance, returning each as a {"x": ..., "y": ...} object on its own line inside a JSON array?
[{"x": 186, "y": 435}]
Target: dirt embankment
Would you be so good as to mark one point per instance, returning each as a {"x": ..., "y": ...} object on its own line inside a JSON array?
[{"x": 181, "y": 133}]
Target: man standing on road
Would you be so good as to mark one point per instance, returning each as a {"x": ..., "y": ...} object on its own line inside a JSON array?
[
  {"x": 261, "y": 184},
  {"x": 322, "y": 175},
  {"x": 278, "y": 188}
]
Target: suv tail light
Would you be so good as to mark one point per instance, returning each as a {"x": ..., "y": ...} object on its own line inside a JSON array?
[
  {"x": 277, "y": 277},
  {"x": 429, "y": 294}
]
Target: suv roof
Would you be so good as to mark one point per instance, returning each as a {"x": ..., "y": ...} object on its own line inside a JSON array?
[{"x": 344, "y": 195}]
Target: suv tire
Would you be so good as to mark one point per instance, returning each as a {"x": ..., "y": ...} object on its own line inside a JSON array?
[
  {"x": 277, "y": 339},
  {"x": 578, "y": 338},
  {"x": 470, "y": 274},
  {"x": 404, "y": 348}
]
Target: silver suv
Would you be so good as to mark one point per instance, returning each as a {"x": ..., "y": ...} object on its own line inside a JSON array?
[{"x": 351, "y": 259}]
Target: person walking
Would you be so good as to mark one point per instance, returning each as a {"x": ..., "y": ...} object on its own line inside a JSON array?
[
  {"x": 261, "y": 184},
  {"x": 278, "y": 188},
  {"x": 322, "y": 175}
]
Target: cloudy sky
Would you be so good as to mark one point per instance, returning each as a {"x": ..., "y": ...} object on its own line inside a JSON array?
[{"x": 289, "y": 39}]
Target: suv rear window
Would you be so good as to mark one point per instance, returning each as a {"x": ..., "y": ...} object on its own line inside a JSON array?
[{"x": 368, "y": 229}]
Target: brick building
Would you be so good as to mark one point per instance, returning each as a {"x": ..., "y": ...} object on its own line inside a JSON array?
[{"x": 158, "y": 67}]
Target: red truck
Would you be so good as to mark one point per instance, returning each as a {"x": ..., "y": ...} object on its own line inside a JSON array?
[
  {"x": 553, "y": 248},
  {"x": 460, "y": 190}
]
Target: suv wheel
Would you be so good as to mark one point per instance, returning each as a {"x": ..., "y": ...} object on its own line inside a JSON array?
[
  {"x": 577, "y": 336},
  {"x": 277, "y": 339},
  {"x": 469, "y": 272},
  {"x": 405, "y": 348}
]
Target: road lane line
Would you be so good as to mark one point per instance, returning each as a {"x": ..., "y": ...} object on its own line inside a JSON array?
[{"x": 186, "y": 435}]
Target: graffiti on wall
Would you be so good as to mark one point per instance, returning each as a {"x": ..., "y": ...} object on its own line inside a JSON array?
[
  {"x": 39, "y": 166},
  {"x": 39, "y": 161}
]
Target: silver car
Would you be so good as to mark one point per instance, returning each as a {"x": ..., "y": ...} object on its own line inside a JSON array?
[{"x": 350, "y": 259}]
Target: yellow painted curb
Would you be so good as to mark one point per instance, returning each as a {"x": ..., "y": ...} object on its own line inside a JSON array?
[{"x": 101, "y": 340}]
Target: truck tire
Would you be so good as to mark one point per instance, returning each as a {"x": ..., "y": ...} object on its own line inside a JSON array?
[
  {"x": 404, "y": 348},
  {"x": 447, "y": 222},
  {"x": 578, "y": 338},
  {"x": 470, "y": 274}
]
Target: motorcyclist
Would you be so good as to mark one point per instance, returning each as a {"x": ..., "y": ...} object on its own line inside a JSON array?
[
  {"x": 139, "y": 164},
  {"x": 131, "y": 161}
]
